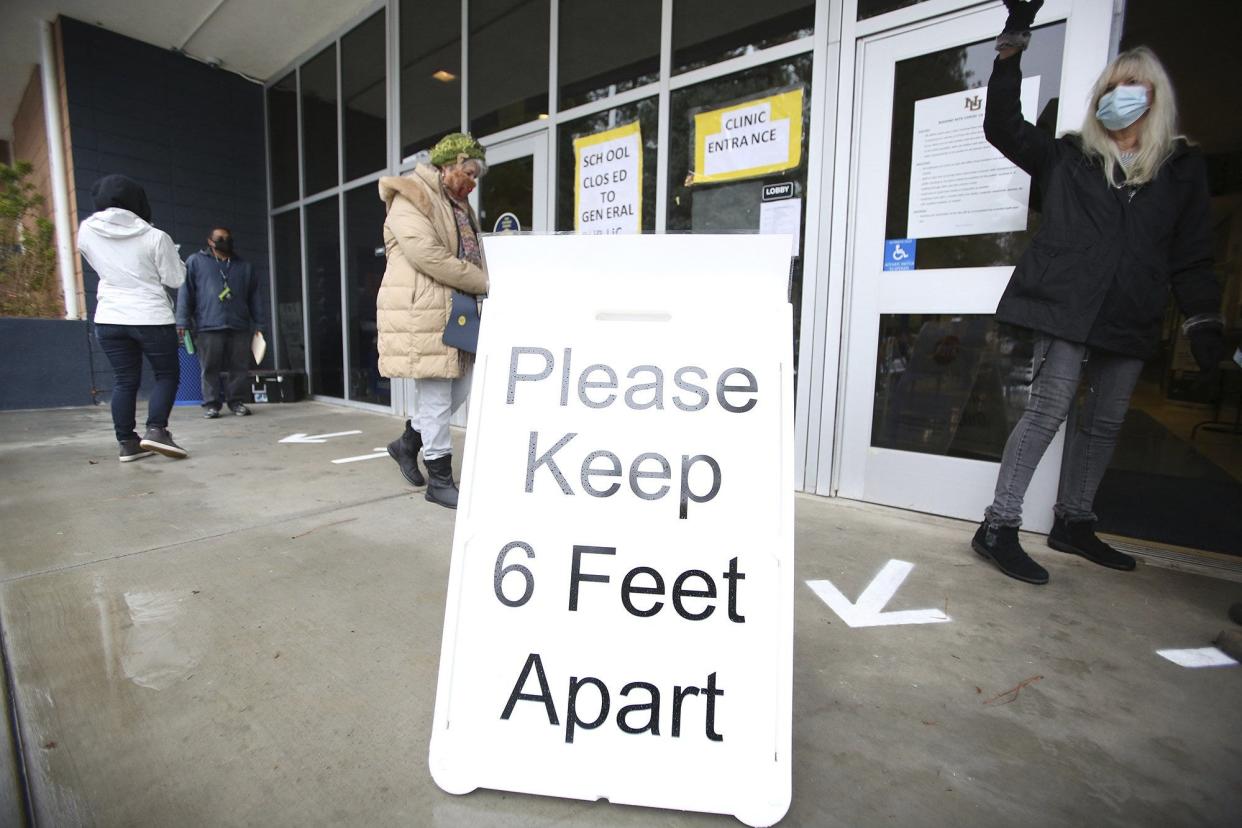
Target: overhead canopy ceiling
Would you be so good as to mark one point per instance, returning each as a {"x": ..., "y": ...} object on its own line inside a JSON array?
[{"x": 254, "y": 37}]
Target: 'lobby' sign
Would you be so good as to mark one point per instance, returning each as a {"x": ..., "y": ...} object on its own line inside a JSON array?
[
  {"x": 619, "y": 619},
  {"x": 754, "y": 138},
  {"x": 608, "y": 181}
]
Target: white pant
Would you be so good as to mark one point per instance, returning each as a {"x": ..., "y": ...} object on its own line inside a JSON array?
[{"x": 437, "y": 400}]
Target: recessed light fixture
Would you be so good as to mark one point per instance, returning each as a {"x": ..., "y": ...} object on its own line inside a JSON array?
[
  {"x": 444, "y": 76},
  {"x": 543, "y": 116}
]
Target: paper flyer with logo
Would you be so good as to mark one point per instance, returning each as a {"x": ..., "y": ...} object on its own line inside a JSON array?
[
  {"x": 754, "y": 138},
  {"x": 960, "y": 185},
  {"x": 608, "y": 181}
]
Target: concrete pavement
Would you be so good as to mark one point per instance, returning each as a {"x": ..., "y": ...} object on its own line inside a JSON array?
[{"x": 251, "y": 636}]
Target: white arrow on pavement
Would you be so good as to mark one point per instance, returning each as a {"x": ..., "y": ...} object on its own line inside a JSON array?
[
  {"x": 868, "y": 610},
  {"x": 315, "y": 438},
  {"x": 381, "y": 451}
]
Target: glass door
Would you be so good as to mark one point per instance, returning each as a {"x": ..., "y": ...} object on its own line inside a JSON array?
[
  {"x": 516, "y": 185},
  {"x": 933, "y": 384}
]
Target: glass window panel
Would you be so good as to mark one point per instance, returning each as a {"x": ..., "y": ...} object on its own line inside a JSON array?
[
  {"x": 508, "y": 63},
  {"x": 870, "y": 8},
  {"x": 287, "y": 255},
  {"x": 319, "y": 121},
  {"x": 734, "y": 206},
  {"x": 956, "y": 70},
  {"x": 949, "y": 384},
  {"x": 282, "y": 126},
  {"x": 364, "y": 258},
  {"x": 430, "y": 73},
  {"x": 508, "y": 187},
  {"x": 606, "y": 47},
  {"x": 709, "y": 31},
  {"x": 323, "y": 297},
  {"x": 364, "y": 98},
  {"x": 647, "y": 113}
]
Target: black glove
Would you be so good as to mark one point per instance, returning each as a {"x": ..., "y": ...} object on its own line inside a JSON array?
[
  {"x": 1207, "y": 344},
  {"x": 1021, "y": 14}
]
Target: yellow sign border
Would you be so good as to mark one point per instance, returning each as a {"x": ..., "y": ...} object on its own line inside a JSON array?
[
  {"x": 783, "y": 105},
  {"x": 625, "y": 130}
]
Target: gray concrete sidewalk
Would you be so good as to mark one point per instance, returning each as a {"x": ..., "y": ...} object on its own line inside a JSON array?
[{"x": 251, "y": 636}]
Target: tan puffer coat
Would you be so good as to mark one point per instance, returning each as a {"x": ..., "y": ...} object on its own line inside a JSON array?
[{"x": 420, "y": 241}]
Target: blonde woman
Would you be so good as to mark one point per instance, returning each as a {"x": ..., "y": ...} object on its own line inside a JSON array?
[{"x": 1125, "y": 218}]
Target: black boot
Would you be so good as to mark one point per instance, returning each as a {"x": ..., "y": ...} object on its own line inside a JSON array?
[
  {"x": 1000, "y": 546},
  {"x": 1078, "y": 538},
  {"x": 404, "y": 450},
  {"x": 441, "y": 489}
]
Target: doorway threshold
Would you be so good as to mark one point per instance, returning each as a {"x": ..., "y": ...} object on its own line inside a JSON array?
[{"x": 1199, "y": 561}]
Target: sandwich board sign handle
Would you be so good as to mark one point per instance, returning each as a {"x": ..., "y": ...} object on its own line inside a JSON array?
[{"x": 619, "y": 615}]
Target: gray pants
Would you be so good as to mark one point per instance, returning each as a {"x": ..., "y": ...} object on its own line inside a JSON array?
[
  {"x": 1091, "y": 435},
  {"x": 437, "y": 400}
]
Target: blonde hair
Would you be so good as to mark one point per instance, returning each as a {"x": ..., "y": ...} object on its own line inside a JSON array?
[{"x": 1157, "y": 130}]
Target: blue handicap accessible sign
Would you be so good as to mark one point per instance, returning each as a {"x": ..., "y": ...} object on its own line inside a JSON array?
[{"x": 899, "y": 254}]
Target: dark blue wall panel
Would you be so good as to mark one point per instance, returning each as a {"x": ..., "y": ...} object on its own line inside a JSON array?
[
  {"x": 45, "y": 363},
  {"x": 190, "y": 134}
]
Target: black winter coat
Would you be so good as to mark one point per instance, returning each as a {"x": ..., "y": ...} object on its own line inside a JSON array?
[
  {"x": 1100, "y": 267},
  {"x": 199, "y": 306}
]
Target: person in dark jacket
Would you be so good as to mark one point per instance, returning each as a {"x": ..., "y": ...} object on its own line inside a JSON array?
[
  {"x": 220, "y": 303},
  {"x": 1125, "y": 218}
]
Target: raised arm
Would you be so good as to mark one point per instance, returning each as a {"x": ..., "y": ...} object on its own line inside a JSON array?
[{"x": 1020, "y": 141}]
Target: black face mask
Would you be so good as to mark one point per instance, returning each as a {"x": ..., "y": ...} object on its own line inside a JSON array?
[{"x": 224, "y": 246}]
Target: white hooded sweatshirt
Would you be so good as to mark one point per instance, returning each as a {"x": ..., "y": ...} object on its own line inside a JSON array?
[{"x": 135, "y": 262}]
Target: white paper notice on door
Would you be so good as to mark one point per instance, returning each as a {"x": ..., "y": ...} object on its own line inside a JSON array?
[
  {"x": 960, "y": 185},
  {"x": 782, "y": 218}
]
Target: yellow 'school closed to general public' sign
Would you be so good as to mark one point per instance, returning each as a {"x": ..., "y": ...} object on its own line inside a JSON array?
[
  {"x": 608, "y": 181},
  {"x": 749, "y": 139}
]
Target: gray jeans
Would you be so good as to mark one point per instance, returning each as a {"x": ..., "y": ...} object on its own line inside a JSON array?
[
  {"x": 437, "y": 400},
  {"x": 1091, "y": 434}
]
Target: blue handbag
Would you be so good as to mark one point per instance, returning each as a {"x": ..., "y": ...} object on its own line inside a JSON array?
[{"x": 462, "y": 330}]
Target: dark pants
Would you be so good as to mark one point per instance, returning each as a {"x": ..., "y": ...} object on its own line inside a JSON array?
[
  {"x": 125, "y": 346},
  {"x": 228, "y": 353}
]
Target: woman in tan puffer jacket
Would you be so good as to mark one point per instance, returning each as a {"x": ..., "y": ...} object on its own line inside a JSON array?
[{"x": 432, "y": 244}]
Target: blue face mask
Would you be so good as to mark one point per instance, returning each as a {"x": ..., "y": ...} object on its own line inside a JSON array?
[{"x": 1122, "y": 106}]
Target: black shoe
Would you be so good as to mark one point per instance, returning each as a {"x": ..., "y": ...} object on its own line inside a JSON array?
[
  {"x": 211, "y": 412},
  {"x": 441, "y": 489},
  {"x": 239, "y": 409},
  {"x": 1001, "y": 547},
  {"x": 131, "y": 450},
  {"x": 405, "y": 450},
  {"x": 1078, "y": 538},
  {"x": 160, "y": 440}
]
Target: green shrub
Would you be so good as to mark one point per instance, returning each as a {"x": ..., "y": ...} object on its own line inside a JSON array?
[{"x": 28, "y": 284}]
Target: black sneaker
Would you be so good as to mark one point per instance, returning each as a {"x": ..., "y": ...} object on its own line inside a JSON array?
[
  {"x": 1000, "y": 546},
  {"x": 160, "y": 440},
  {"x": 131, "y": 450},
  {"x": 1078, "y": 538},
  {"x": 239, "y": 409},
  {"x": 211, "y": 412}
]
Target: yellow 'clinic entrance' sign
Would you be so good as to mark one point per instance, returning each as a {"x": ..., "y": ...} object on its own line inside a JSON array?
[{"x": 749, "y": 139}]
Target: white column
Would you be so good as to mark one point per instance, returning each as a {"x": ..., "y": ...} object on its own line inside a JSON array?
[{"x": 56, "y": 167}]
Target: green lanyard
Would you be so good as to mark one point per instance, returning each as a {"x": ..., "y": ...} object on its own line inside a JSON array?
[{"x": 227, "y": 293}]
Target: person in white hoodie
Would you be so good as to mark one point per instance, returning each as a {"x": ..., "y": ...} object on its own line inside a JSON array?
[{"x": 137, "y": 266}]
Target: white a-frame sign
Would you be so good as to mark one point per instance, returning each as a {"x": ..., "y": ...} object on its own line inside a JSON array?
[{"x": 620, "y": 602}]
